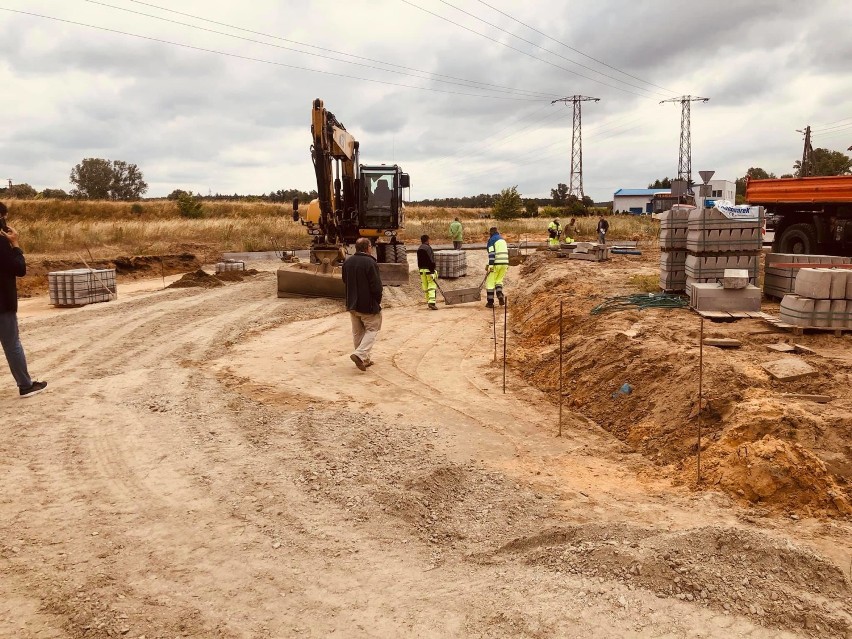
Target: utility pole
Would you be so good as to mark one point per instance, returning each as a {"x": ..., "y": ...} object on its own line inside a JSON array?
[
  {"x": 805, "y": 169},
  {"x": 684, "y": 165},
  {"x": 575, "y": 183}
]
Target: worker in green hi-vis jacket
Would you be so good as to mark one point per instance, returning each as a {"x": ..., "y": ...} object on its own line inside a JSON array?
[{"x": 456, "y": 233}]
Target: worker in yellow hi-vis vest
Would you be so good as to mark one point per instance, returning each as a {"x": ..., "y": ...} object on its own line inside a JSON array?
[
  {"x": 554, "y": 231},
  {"x": 428, "y": 271},
  {"x": 498, "y": 264}
]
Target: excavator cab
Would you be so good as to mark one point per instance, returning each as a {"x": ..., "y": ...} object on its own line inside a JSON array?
[{"x": 381, "y": 199}]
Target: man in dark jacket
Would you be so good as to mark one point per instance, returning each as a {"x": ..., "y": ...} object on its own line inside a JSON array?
[
  {"x": 12, "y": 265},
  {"x": 428, "y": 271},
  {"x": 603, "y": 228},
  {"x": 363, "y": 300}
]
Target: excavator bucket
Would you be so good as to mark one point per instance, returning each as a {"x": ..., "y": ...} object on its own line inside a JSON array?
[
  {"x": 314, "y": 280},
  {"x": 308, "y": 280},
  {"x": 394, "y": 274}
]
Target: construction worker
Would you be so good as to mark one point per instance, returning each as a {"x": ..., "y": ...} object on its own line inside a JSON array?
[
  {"x": 554, "y": 231},
  {"x": 428, "y": 271},
  {"x": 498, "y": 264},
  {"x": 571, "y": 231},
  {"x": 603, "y": 229},
  {"x": 457, "y": 234}
]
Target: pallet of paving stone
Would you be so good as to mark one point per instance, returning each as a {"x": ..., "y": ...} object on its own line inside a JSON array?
[
  {"x": 80, "y": 287},
  {"x": 451, "y": 264}
]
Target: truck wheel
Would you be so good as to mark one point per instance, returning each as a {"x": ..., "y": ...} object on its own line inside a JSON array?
[{"x": 799, "y": 239}]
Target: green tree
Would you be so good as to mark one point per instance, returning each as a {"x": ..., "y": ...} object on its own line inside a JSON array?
[
  {"x": 508, "y": 204},
  {"x": 826, "y": 162},
  {"x": 588, "y": 202},
  {"x": 100, "y": 179},
  {"x": 530, "y": 207},
  {"x": 559, "y": 194},
  {"x": 755, "y": 173},
  {"x": 189, "y": 206},
  {"x": 175, "y": 195},
  {"x": 54, "y": 194},
  {"x": 127, "y": 181},
  {"x": 665, "y": 183},
  {"x": 20, "y": 192}
]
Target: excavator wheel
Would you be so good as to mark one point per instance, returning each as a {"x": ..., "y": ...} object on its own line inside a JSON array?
[{"x": 398, "y": 254}]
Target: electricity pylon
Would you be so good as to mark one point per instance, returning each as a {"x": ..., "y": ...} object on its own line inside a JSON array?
[
  {"x": 575, "y": 183},
  {"x": 684, "y": 165}
]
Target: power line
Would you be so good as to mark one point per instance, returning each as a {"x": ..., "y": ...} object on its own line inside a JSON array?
[
  {"x": 610, "y": 127},
  {"x": 583, "y": 66},
  {"x": 529, "y": 55},
  {"x": 262, "y": 61},
  {"x": 458, "y": 154},
  {"x": 836, "y": 121},
  {"x": 464, "y": 82},
  {"x": 539, "y": 157},
  {"x": 573, "y": 49},
  {"x": 830, "y": 128}
]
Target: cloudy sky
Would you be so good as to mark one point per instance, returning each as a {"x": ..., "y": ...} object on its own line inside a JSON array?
[{"x": 215, "y": 95}]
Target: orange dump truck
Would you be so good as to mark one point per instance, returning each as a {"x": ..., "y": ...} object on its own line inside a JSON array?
[{"x": 811, "y": 215}]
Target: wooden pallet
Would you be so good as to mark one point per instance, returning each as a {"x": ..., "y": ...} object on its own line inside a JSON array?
[
  {"x": 800, "y": 330},
  {"x": 727, "y": 316}
]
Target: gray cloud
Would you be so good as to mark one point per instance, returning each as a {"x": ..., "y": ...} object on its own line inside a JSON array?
[{"x": 198, "y": 120}]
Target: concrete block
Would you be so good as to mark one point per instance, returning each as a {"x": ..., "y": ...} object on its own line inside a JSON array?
[
  {"x": 822, "y": 313},
  {"x": 712, "y": 297},
  {"x": 674, "y": 218},
  {"x": 838, "y": 317},
  {"x": 735, "y": 278},
  {"x": 838, "y": 283},
  {"x": 814, "y": 283},
  {"x": 789, "y": 369},
  {"x": 849, "y": 285},
  {"x": 674, "y": 238},
  {"x": 673, "y": 260},
  {"x": 796, "y": 310}
]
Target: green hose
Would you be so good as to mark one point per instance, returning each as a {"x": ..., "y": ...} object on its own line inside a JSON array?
[{"x": 640, "y": 301}]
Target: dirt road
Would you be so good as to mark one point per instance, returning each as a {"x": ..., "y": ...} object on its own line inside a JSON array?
[{"x": 209, "y": 463}]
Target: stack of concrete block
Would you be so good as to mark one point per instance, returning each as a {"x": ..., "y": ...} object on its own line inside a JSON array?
[
  {"x": 714, "y": 297},
  {"x": 672, "y": 275},
  {"x": 451, "y": 264},
  {"x": 79, "y": 287},
  {"x": 704, "y": 268},
  {"x": 590, "y": 251},
  {"x": 778, "y": 282},
  {"x": 230, "y": 265},
  {"x": 822, "y": 299},
  {"x": 716, "y": 242},
  {"x": 673, "y": 230}
]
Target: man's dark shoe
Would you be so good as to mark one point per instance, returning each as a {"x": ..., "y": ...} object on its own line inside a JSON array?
[
  {"x": 489, "y": 305},
  {"x": 34, "y": 389},
  {"x": 502, "y": 299},
  {"x": 432, "y": 307},
  {"x": 358, "y": 362}
]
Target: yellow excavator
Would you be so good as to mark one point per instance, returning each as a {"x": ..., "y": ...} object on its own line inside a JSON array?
[{"x": 354, "y": 201}]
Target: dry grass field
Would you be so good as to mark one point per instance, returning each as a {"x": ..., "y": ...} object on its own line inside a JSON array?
[{"x": 104, "y": 230}]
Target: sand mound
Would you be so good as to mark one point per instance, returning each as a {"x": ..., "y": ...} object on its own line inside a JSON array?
[
  {"x": 197, "y": 279},
  {"x": 800, "y": 458}
]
